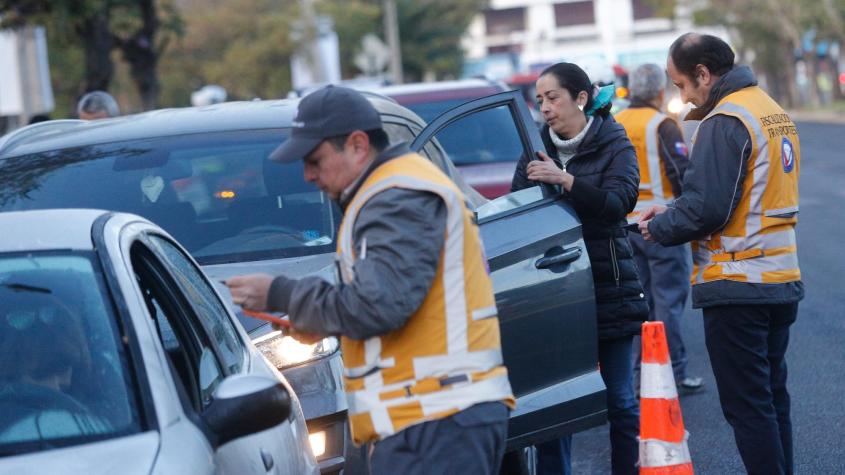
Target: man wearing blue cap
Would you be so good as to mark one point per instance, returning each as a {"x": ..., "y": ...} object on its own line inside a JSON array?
[{"x": 414, "y": 306}]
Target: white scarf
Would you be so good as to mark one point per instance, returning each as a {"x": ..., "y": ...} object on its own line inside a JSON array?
[{"x": 567, "y": 149}]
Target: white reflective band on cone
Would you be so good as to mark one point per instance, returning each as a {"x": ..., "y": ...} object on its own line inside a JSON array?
[
  {"x": 657, "y": 453},
  {"x": 657, "y": 381}
]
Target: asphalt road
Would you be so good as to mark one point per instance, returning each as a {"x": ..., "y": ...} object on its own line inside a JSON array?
[{"x": 816, "y": 356}]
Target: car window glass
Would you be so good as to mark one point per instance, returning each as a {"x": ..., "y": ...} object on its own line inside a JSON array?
[
  {"x": 509, "y": 202},
  {"x": 397, "y": 133},
  {"x": 486, "y": 136},
  {"x": 187, "y": 346},
  {"x": 216, "y": 193},
  {"x": 65, "y": 376},
  {"x": 208, "y": 306}
]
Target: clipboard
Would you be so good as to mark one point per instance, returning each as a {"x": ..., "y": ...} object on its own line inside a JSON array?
[{"x": 284, "y": 323}]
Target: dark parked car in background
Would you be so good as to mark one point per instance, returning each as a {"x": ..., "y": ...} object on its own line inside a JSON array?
[
  {"x": 203, "y": 175},
  {"x": 485, "y": 161}
]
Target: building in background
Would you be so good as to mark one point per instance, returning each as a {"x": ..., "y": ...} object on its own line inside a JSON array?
[
  {"x": 514, "y": 36},
  {"x": 25, "y": 88}
]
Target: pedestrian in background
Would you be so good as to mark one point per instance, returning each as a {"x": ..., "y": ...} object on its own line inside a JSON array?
[
  {"x": 662, "y": 156},
  {"x": 415, "y": 306},
  {"x": 97, "y": 105},
  {"x": 739, "y": 207},
  {"x": 591, "y": 158}
]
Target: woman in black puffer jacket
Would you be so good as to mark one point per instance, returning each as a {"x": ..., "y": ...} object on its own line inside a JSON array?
[{"x": 591, "y": 158}]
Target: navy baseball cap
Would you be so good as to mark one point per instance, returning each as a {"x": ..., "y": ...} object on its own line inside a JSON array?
[{"x": 325, "y": 113}]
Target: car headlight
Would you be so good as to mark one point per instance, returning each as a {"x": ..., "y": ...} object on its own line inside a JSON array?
[{"x": 283, "y": 351}]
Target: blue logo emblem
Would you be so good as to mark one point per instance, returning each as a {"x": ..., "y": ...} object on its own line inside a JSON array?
[
  {"x": 787, "y": 155},
  {"x": 681, "y": 149}
]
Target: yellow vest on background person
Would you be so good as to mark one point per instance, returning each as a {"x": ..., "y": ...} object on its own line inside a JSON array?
[
  {"x": 757, "y": 244},
  {"x": 641, "y": 124},
  {"x": 447, "y": 357}
]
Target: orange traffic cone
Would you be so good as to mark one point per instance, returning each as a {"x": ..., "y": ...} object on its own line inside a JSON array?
[{"x": 663, "y": 440}]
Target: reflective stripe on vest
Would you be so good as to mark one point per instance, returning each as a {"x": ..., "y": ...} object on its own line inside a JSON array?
[
  {"x": 757, "y": 244},
  {"x": 447, "y": 356},
  {"x": 642, "y": 124}
]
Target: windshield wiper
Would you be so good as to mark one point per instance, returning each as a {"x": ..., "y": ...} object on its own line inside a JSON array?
[{"x": 18, "y": 287}]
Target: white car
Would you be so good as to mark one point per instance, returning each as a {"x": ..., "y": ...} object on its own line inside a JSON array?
[{"x": 119, "y": 356}]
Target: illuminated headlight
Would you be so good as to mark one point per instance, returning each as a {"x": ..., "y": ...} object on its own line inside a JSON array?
[
  {"x": 318, "y": 443},
  {"x": 675, "y": 105},
  {"x": 283, "y": 351}
]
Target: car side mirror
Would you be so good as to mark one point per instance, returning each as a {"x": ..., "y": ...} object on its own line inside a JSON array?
[{"x": 246, "y": 404}]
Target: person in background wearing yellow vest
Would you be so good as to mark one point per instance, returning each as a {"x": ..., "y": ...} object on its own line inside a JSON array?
[
  {"x": 662, "y": 156},
  {"x": 739, "y": 208},
  {"x": 415, "y": 308}
]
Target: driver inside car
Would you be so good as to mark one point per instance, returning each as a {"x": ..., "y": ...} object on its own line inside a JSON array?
[{"x": 42, "y": 350}]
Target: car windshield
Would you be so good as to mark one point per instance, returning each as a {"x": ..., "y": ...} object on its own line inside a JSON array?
[
  {"x": 217, "y": 194},
  {"x": 64, "y": 376}
]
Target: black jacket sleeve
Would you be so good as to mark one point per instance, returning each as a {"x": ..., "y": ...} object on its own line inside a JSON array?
[
  {"x": 673, "y": 154},
  {"x": 712, "y": 184},
  {"x": 403, "y": 232},
  {"x": 617, "y": 194},
  {"x": 520, "y": 179}
]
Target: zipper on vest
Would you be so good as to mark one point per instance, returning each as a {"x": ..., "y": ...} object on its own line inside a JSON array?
[{"x": 615, "y": 263}]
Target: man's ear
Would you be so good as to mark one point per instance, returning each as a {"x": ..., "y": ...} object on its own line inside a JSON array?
[
  {"x": 359, "y": 144},
  {"x": 703, "y": 76}
]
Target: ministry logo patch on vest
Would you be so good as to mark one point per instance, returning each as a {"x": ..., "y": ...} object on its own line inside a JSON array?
[{"x": 787, "y": 155}]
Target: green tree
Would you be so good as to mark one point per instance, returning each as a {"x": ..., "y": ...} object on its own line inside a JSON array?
[
  {"x": 430, "y": 32},
  {"x": 772, "y": 32},
  {"x": 139, "y": 29},
  {"x": 241, "y": 45}
]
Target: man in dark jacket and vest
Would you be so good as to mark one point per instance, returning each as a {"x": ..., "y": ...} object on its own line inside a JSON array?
[
  {"x": 415, "y": 308},
  {"x": 662, "y": 156},
  {"x": 739, "y": 209}
]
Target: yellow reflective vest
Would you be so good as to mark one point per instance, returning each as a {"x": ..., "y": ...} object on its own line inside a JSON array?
[
  {"x": 448, "y": 355},
  {"x": 757, "y": 244},
  {"x": 641, "y": 124}
]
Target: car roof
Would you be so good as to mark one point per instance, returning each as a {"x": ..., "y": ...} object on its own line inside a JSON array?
[
  {"x": 423, "y": 87},
  {"x": 223, "y": 117},
  {"x": 42, "y": 230}
]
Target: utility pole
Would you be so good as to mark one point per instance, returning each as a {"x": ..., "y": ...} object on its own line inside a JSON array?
[
  {"x": 310, "y": 38},
  {"x": 391, "y": 29}
]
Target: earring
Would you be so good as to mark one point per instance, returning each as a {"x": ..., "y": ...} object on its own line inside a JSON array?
[{"x": 581, "y": 107}]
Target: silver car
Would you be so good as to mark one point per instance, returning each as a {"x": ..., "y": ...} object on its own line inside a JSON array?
[{"x": 118, "y": 356}]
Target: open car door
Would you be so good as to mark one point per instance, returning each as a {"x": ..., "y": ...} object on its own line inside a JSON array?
[{"x": 541, "y": 275}]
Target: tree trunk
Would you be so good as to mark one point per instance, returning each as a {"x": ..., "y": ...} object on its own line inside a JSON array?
[
  {"x": 141, "y": 54},
  {"x": 811, "y": 67},
  {"x": 789, "y": 80},
  {"x": 834, "y": 77},
  {"x": 97, "y": 43}
]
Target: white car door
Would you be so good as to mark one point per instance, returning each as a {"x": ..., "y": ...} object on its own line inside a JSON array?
[{"x": 205, "y": 347}]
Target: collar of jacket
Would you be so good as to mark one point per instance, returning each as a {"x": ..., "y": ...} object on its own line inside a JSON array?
[
  {"x": 386, "y": 155},
  {"x": 737, "y": 78},
  {"x": 603, "y": 131}
]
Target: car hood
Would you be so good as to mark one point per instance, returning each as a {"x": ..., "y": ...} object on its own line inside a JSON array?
[
  {"x": 321, "y": 265},
  {"x": 105, "y": 457}
]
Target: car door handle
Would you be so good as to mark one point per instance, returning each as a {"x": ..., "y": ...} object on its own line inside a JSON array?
[
  {"x": 566, "y": 256},
  {"x": 267, "y": 458}
]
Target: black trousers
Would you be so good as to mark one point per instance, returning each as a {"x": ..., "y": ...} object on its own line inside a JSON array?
[
  {"x": 747, "y": 345},
  {"x": 469, "y": 442}
]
